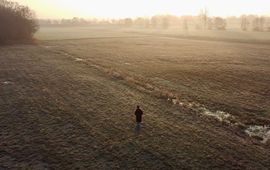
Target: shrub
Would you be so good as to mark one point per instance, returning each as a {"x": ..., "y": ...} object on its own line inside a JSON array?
[{"x": 17, "y": 22}]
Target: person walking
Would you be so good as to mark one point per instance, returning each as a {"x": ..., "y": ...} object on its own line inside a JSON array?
[{"x": 138, "y": 114}]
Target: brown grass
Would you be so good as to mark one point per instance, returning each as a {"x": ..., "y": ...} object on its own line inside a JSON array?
[{"x": 59, "y": 113}]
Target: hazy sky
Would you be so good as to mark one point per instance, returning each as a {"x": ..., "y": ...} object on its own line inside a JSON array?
[{"x": 134, "y": 8}]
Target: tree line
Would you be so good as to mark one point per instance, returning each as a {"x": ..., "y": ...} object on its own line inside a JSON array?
[
  {"x": 199, "y": 22},
  {"x": 17, "y": 22},
  {"x": 255, "y": 23}
]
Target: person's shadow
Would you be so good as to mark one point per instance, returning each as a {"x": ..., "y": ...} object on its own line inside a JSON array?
[{"x": 138, "y": 128}]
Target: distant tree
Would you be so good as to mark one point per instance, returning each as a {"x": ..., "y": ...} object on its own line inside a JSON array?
[
  {"x": 142, "y": 22},
  {"x": 204, "y": 18},
  {"x": 262, "y": 23},
  {"x": 65, "y": 22},
  {"x": 45, "y": 22},
  {"x": 268, "y": 24},
  {"x": 209, "y": 24},
  {"x": 147, "y": 22},
  {"x": 75, "y": 21},
  {"x": 165, "y": 22},
  {"x": 185, "y": 24},
  {"x": 220, "y": 23},
  {"x": 139, "y": 22},
  {"x": 17, "y": 22},
  {"x": 258, "y": 24},
  {"x": 154, "y": 21},
  {"x": 128, "y": 22},
  {"x": 244, "y": 23}
]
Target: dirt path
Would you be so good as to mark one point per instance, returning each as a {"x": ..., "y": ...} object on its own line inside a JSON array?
[{"x": 59, "y": 113}]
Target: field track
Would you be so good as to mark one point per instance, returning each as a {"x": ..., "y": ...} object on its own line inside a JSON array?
[{"x": 67, "y": 105}]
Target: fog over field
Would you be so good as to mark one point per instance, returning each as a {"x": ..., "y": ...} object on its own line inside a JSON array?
[{"x": 70, "y": 86}]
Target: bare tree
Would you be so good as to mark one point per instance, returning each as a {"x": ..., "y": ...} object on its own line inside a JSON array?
[
  {"x": 256, "y": 24},
  {"x": 154, "y": 21},
  {"x": 128, "y": 22},
  {"x": 142, "y": 22},
  {"x": 185, "y": 24},
  {"x": 244, "y": 23},
  {"x": 209, "y": 24},
  {"x": 268, "y": 24},
  {"x": 220, "y": 23},
  {"x": 262, "y": 23},
  {"x": 204, "y": 18}
]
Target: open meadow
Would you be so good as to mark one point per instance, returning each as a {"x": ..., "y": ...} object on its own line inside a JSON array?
[{"x": 69, "y": 101}]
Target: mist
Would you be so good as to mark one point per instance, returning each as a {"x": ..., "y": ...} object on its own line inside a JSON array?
[
  {"x": 102, "y": 9},
  {"x": 134, "y": 84}
]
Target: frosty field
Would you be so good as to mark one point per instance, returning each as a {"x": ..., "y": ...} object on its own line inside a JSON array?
[{"x": 69, "y": 102}]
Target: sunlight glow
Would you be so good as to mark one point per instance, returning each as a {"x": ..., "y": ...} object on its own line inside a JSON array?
[{"x": 135, "y": 8}]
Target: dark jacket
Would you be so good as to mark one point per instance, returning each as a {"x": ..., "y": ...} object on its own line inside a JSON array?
[{"x": 138, "y": 114}]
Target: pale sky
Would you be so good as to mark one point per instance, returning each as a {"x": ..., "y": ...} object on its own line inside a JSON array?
[{"x": 134, "y": 8}]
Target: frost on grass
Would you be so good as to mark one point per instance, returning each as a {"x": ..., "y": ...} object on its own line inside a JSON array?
[
  {"x": 175, "y": 101},
  {"x": 219, "y": 115},
  {"x": 48, "y": 46},
  {"x": 78, "y": 59},
  {"x": 7, "y": 82},
  {"x": 262, "y": 132}
]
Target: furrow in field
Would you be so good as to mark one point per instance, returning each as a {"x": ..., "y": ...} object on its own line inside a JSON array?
[{"x": 147, "y": 86}]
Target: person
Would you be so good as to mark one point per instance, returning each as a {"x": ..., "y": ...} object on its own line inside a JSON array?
[{"x": 138, "y": 114}]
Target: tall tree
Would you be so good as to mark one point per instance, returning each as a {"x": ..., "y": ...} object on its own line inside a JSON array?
[
  {"x": 204, "y": 18},
  {"x": 244, "y": 23},
  {"x": 154, "y": 21},
  {"x": 262, "y": 23},
  {"x": 256, "y": 24}
]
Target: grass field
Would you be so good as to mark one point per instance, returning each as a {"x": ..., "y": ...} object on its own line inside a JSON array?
[
  {"x": 231, "y": 35},
  {"x": 69, "y": 102}
]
